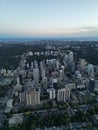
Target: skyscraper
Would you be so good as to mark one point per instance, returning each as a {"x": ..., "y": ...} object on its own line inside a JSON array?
[
  {"x": 91, "y": 70},
  {"x": 70, "y": 56}
]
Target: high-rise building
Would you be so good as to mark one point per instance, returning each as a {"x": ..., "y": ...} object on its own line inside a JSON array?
[
  {"x": 22, "y": 97},
  {"x": 63, "y": 94},
  {"x": 54, "y": 82},
  {"x": 32, "y": 66},
  {"x": 57, "y": 64},
  {"x": 70, "y": 56},
  {"x": 61, "y": 72},
  {"x": 96, "y": 85},
  {"x": 65, "y": 59},
  {"x": 18, "y": 86},
  {"x": 82, "y": 63},
  {"x": 27, "y": 65},
  {"x": 52, "y": 93},
  {"x": 18, "y": 80},
  {"x": 36, "y": 75},
  {"x": 72, "y": 67},
  {"x": 90, "y": 70},
  {"x": 91, "y": 85},
  {"x": 43, "y": 72},
  {"x": 33, "y": 98},
  {"x": 35, "y": 64}
]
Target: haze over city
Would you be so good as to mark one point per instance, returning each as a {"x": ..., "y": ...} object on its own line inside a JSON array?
[{"x": 48, "y": 18}]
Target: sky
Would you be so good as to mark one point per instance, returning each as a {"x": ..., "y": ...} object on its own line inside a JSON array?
[{"x": 48, "y": 18}]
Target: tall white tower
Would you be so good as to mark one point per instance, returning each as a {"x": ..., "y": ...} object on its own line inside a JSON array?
[
  {"x": 91, "y": 70},
  {"x": 70, "y": 56}
]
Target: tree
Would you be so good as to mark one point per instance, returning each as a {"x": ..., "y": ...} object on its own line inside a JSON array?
[{"x": 33, "y": 127}]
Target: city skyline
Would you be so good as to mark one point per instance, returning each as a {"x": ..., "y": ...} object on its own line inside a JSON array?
[{"x": 35, "y": 18}]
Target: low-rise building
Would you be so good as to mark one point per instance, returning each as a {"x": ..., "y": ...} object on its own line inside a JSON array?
[{"x": 16, "y": 119}]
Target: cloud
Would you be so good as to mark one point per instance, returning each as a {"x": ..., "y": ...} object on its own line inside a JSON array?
[{"x": 83, "y": 31}]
